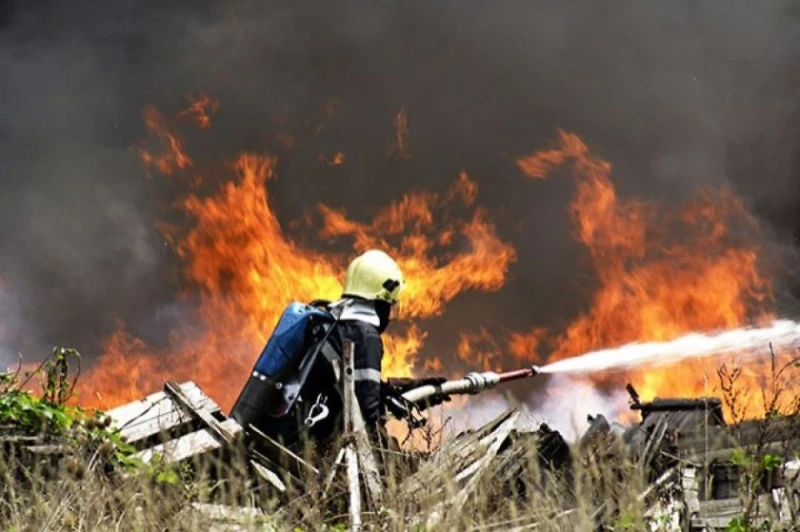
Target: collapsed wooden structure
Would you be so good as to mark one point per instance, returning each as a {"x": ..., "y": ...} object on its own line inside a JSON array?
[
  {"x": 176, "y": 424},
  {"x": 699, "y": 471}
]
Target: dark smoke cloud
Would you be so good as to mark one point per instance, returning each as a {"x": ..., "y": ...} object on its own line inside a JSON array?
[{"x": 674, "y": 95}]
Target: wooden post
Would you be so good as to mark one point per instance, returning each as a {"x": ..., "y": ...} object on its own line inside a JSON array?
[
  {"x": 358, "y": 429},
  {"x": 357, "y": 452},
  {"x": 689, "y": 489},
  {"x": 354, "y": 488}
]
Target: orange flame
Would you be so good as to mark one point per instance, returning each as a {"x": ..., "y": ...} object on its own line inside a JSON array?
[
  {"x": 200, "y": 110},
  {"x": 480, "y": 350},
  {"x": 336, "y": 160},
  {"x": 660, "y": 273},
  {"x": 524, "y": 344},
  {"x": 244, "y": 270},
  {"x": 431, "y": 283},
  {"x": 400, "y": 149},
  {"x": 173, "y": 158}
]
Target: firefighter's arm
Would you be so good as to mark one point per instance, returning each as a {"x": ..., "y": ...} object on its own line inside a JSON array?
[{"x": 368, "y": 377}]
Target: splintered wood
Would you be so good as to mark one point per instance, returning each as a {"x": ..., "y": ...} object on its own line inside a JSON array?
[
  {"x": 158, "y": 413},
  {"x": 683, "y": 447},
  {"x": 176, "y": 424}
]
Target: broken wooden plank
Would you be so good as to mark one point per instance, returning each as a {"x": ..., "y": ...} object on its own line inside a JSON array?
[
  {"x": 782, "y": 504},
  {"x": 473, "y": 473},
  {"x": 166, "y": 404},
  {"x": 220, "y": 511},
  {"x": 730, "y": 508},
  {"x": 187, "y": 446},
  {"x": 159, "y": 414},
  {"x": 334, "y": 470},
  {"x": 168, "y": 421},
  {"x": 653, "y": 443},
  {"x": 50, "y": 449},
  {"x": 211, "y": 424},
  {"x": 690, "y": 490},
  {"x": 268, "y": 475},
  {"x": 280, "y": 450},
  {"x": 461, "y": 447},
  {"x": 128, "y": 413},
  {"x": 20, "y": 440},
  {"x": 456, "y": 456},
  {"x": 223, "y": 518},
  {"x": 259, "y": 458}
]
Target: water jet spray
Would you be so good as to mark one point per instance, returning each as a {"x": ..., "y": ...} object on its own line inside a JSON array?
[{"x": 746, "y": 341}]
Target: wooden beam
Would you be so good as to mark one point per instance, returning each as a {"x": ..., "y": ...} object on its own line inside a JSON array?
[
  {"x": 334, "y": 469},
  {"x": 353, "y": 488},
  {"x": 268, "y": 475},
  {"x": 357, "y": 429},
  {"x": 130, "y": 413},
  {"x": 187, "y": 446},
  {"x": 212, "y": 425},
  {"x": 158, "y": 413},
  {"x": 281, "y": 449},
  {"x": 267, "y": 462}
]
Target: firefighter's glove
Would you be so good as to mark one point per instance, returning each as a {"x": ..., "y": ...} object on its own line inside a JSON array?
[
  {"x": 433, "y": 400},
  {"x": 395, "y": 403}
]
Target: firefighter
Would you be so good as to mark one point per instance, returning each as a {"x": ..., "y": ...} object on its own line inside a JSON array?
[
  {"x": 372, "y": 285},
  {"x": 285, "y": 397}
]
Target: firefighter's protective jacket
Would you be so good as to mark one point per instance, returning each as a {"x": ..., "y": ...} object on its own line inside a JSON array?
[{"x": 359, "y": 324}]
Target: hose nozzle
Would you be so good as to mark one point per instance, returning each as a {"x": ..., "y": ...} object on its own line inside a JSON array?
[{"x": 536, "y": 370}]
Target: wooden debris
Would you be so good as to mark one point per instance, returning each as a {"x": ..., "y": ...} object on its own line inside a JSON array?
[
  {"x": 177, "y": 424},
  {"x": 356, "y": 430},
  {"x": 158, "y": 415},
  {"x": 221, "y": 518},
  {"x": 356, "y": 453},
  {"x": 296, "y": 463},
  {"x": 269, "y": 476},
  {"x": 192, "y": 444},
  {"x": 684, "y": 446},
  {"x": 212, "y": 425},
  {"x": 49, "y": 450},
  {"x": 464, "y": 462}
]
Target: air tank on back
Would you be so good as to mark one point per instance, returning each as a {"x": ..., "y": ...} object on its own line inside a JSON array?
[{"x": 273, "y": 384}]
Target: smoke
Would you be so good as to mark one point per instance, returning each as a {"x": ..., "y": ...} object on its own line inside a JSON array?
[
  {"x": 10, "y": 327},
  {"x": 563, "y": 406},
  {"x": 475, "y": 412},
  {"x": 568, "y": 401},
  {"x": 674, "y": 95}
]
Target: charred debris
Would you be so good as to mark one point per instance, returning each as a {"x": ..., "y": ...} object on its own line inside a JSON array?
[
  {"x": 693, "y": 465},
  {"x": 682, "y": 465}
]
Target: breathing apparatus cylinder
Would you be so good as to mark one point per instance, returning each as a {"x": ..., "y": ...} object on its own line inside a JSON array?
[{"x": 277, "y": 378}]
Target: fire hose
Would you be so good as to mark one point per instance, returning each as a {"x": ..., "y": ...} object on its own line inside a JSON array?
[
  {"x": 472, "y": 384},
  {"x": 408, "y": 404}
]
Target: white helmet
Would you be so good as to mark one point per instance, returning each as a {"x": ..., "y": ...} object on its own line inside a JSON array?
[{"x": 374, "y": 276}]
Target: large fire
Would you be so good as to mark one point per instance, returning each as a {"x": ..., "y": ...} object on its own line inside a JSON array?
[
  {"x": 245, "y": 270},
  {"x": 660, "y": 273}
]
